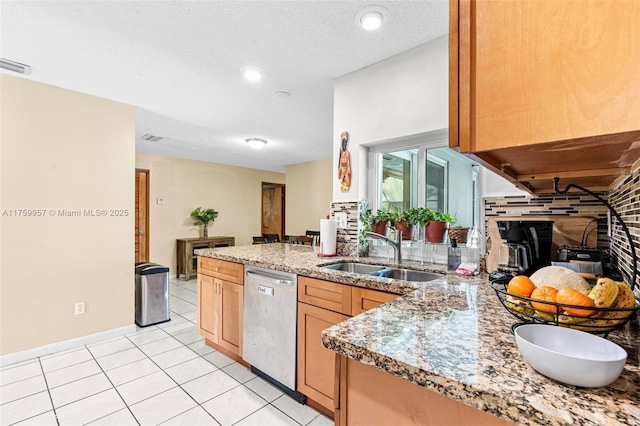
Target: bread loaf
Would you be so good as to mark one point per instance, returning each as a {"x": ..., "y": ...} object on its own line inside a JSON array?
[{"x": 559, "y": 278}]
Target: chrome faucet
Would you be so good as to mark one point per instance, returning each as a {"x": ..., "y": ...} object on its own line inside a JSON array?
[{"x": 396, "y": 243}]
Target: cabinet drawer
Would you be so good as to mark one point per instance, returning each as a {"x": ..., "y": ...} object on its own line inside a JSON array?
[
  {"x": 324, "y": 294},
  {"x": 228, "y": 271},
  {"x": 364, "y": 299}
]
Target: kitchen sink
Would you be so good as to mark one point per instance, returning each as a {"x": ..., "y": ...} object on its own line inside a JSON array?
[
  {"x": 358, "y": 268},
  {"x": 383, "y": 271},
  {"x": 407, "y": 274}
]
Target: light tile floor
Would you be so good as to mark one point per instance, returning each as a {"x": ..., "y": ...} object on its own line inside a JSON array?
[{"x": 161, "y": 374}]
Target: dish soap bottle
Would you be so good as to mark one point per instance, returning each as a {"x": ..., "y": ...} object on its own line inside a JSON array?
[{"x": 453, "y": 256}]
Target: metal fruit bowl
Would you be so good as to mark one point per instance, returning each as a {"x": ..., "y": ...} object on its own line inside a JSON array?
[{"x": 520, "y": 307}]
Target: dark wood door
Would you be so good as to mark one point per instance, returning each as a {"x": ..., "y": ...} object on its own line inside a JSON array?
[
  {"x": 141, "y": 231},
  {"x": 273, "y": 199}
]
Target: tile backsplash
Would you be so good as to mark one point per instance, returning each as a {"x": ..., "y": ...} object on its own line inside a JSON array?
[
  {"x": 625, "y": 199},
  {"x": 551, "y": 205}
]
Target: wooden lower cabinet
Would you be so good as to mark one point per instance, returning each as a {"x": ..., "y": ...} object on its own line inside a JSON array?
[
  {"x": 322, "y": 304},
  {"x": 316, "y": 363},
  {"x": 368, "y": 396},
  {"x": 221, "y": 306}
]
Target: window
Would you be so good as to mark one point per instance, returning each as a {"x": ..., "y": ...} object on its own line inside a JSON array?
[{"x": 422, "y": 174}]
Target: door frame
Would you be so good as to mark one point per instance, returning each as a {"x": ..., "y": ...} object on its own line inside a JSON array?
[
  {"x": 282, "y": 218},
  {"x": 146, "y": 201}
]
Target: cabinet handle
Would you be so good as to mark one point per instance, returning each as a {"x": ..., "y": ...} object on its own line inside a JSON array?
[{"x": 217, "y": 269}]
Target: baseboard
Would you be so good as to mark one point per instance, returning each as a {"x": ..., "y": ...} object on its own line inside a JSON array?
[{"x": 65, "y": 345}]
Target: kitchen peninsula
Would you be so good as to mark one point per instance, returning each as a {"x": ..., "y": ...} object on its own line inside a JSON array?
[{"x": 450, "y": 337}]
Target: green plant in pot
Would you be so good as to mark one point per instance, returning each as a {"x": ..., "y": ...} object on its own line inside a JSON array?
[
  {"x": 401, "y": 222},
  {"x": 379, "y": 221},
  {"x": 203, "y": 217},
  {"x": 437, "y": 226},
  {"x": 418, "y": 218}
]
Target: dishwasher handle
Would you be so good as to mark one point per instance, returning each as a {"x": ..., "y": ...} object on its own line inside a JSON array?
[{"x": 269, "y": 278}]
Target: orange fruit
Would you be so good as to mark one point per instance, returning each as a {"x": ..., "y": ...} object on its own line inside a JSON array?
[
  {"x": 569, "y": 296},
  {"x": 520, "y": 285},
  {"x": 547, "y": 294}
]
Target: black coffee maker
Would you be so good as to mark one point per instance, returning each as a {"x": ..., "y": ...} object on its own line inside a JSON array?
[{"x": 527, "y": 247}]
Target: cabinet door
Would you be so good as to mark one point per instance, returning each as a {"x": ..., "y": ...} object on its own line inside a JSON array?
[
  {"x": 544, "y": 71},
  {"x": 207, "y": 301},
  {"x": 364, "y": 299},
  {"x": 230, "y": 311},
  {"x": 316, "y": 364}
]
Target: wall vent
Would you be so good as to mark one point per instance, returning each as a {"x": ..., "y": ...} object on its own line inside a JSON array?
[{"x": 151, "y": 138}]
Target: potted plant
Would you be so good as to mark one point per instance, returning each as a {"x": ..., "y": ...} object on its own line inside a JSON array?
[
  {"x": 437, "y": 226},
  {"x": 203, "y": 217},
  {"x": 401, "y": 222},
  {"x": 418, "y": 218},
  {"x": 379, "y": 221}
]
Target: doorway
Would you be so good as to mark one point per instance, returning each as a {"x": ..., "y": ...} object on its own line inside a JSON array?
[
  {"x": 273, "y": 197},
  {"x": 141, "y": 231}
]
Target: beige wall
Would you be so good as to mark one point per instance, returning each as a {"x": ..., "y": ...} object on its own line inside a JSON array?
[
  {"x": 235, "y": 192},
  {"x": 63, "y": 150},
  {"x": 309, "y": 193}
]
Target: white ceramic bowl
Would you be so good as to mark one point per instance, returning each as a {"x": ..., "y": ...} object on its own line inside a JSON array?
[{"x": 570, "y": 356}]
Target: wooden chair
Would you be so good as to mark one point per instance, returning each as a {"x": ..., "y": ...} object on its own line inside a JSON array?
[
  {"x": 312, "y": 233},
  {"x": 300, "y": 239},
  {"x": 271, "y": 238},
  {"x": 258, "y": 240}
]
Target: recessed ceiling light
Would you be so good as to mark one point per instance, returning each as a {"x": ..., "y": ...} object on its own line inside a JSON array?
[
  {"x": 371, "y": 17},
  {"x": 252, "y": 73},
  {"x": 256, "y": 143}
]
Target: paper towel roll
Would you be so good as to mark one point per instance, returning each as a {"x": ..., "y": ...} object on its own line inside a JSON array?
[{"x": 328, "y": 232}]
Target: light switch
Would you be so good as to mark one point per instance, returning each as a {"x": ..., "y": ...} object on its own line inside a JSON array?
[
  {"x": 341, "y": 218},
  {"x": 160, "y": 200}
]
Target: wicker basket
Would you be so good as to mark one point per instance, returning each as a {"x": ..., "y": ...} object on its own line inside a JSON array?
[
  {"x": 459, "y": 234},
  {"x": 518, "y": 307}
]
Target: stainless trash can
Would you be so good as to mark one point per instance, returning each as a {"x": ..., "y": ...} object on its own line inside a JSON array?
[{"x": 152, "y": 294}]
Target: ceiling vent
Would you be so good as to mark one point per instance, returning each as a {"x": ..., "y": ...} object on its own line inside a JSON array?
[{"x": 151, "y": 138}]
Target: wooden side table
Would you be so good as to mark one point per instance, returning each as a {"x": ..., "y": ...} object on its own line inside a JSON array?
[{"x": 187, "y": 259}]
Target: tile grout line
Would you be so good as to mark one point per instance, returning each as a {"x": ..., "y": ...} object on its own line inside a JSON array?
[
  {"x": 114, "y": 388},
  {"x": 46, "y": 383}
]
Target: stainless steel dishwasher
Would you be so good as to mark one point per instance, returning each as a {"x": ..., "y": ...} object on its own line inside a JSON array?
[{"x": 269, "y": 327}]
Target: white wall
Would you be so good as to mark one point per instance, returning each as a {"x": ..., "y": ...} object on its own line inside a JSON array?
[
  {"x": 64, "y": 150},
  {"x": 399, "y": 97}
]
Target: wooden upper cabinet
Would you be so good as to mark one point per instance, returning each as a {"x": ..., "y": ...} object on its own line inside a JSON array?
[{"x": 544, "y": 87}]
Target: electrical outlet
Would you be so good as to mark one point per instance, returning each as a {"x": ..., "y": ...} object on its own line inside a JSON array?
[
  {"x": 341, "y": 218},
  {"x": 79, "y": 308}
]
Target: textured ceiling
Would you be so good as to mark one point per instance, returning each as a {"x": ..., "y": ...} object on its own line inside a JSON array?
[{"x": 179, "y": 63}]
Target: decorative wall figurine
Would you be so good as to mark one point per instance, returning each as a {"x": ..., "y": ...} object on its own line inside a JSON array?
[{"x": 344, "y": 163}]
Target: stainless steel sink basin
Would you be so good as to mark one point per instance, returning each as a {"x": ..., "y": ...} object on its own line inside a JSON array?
[
  {"x": 383, "y": 271},
  {"x": 358, "y": 268},
  {"x": 408, "y": 274}
]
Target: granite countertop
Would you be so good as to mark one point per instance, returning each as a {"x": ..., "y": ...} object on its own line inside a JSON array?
[{"x": 451, "y": 336}]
